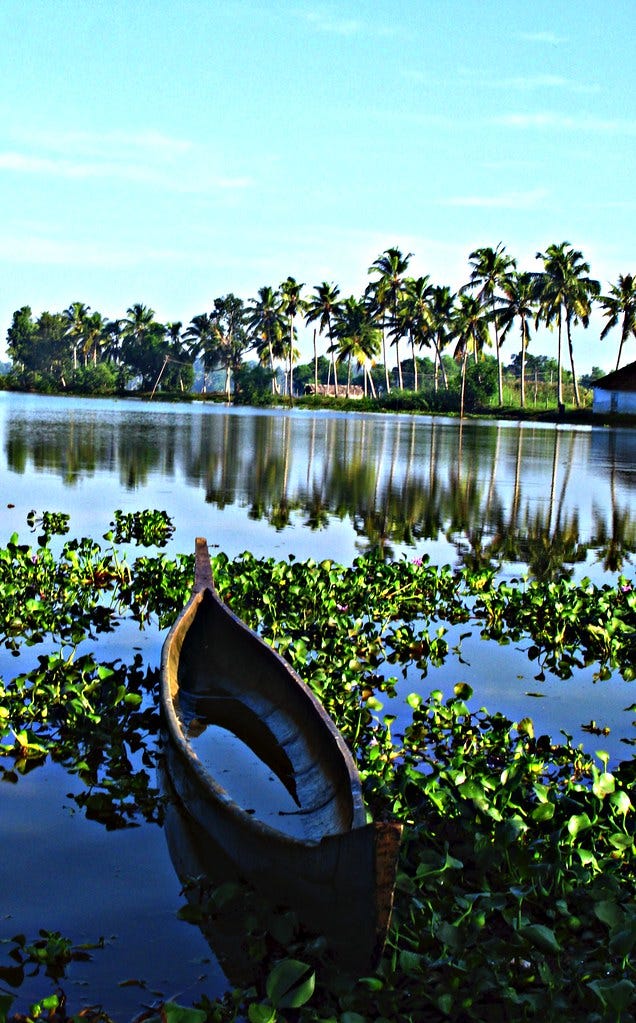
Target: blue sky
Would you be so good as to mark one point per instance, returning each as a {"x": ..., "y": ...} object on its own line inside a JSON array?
[{"x": 170, "y": 152}]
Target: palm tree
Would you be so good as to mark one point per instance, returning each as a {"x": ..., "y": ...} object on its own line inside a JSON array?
[
  {"x": 566, "y": 292},
  {"x": 265, "y": 319},
  {"x": 137, "y": 330},
  {"x": 324, "y": 306},
  {"x": 491, "y": 270},
  {"x": 441, "y": 311},
  {"x": 112, "y": 340},
  {"x": 518, "y": 302},
  {"x": 173, "y": 331},
  {"x": 76, "y": 316},
  {"x": 383, "y": 295},
  {"x": 469, "y": 329},
  {"x": 201, "y": 343},
  {"x": 95, "y": 337},
  {"x": 357, "y": 338},
  {"x": 415, "y": 316},
  {"x": 229, "y": 326},
  {"x": 292, "y": 304},
  {"x": 620, "y": 306},
  {"x": 139, "y": 319}
]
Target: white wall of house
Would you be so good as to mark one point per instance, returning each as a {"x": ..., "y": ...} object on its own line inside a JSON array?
[{"x": 614, "y": 401}]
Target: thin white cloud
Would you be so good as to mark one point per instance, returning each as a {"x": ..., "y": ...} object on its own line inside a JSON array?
[
  {"x": 532, "y": 82},
  {"x": 487, "y": 78},
  {"x": 566, "y": 122},
  {"x": 504, "y": 200},
  {"x": 147, "y": 144},
  {"x": 135, "y": 173},
  {"x": 47, "y": 251},
  {"x": 326, "y": 19},
  {"x": 540, "y": 37}
]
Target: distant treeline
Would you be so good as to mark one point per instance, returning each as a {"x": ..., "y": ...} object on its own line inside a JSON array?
[{"x": 254, "y": 344}]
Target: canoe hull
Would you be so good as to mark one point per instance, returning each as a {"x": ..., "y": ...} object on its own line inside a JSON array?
[{"x": 344, "y": 868}]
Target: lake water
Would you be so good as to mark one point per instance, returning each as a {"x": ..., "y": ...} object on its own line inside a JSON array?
[{"x": 527, "y": 498}]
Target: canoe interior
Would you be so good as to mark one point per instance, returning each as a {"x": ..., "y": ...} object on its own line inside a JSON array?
[{"x": 229, "y": 691}]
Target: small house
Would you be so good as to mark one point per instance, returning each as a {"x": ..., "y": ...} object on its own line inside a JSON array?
[
  {"x": 341, "y": 391},
  {"x": 616, "y": 392}
]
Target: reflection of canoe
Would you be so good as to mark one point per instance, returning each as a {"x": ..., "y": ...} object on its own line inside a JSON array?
[
  {"x": 291, "y": 817},
  {"x": 242, "y": 923},
  {"x": 224, "y": 904}
]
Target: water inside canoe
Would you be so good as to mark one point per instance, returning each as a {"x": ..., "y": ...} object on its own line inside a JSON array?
[{"x": 247, "y": 779}]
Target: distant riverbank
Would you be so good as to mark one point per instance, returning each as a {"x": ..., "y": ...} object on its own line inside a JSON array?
[{"x": 407, "y": 403}]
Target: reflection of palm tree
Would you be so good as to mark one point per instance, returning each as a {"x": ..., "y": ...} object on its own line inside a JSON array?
[
  {"x": 614, "y": 545},
  {"x": 494, "y": 466},
  {"x": 516, "y": 493}
]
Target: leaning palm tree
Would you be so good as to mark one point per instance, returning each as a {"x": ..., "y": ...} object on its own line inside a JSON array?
[
  {"x": 620, "y": 306},
  {"x": 518, "y": 302},
  {"x": 383, "y": 295},
  {"x": 265, "y": 319},
  {"x": 323, "y": 307},
  {"x": 566, "y": 293},
  {"x": 292, "y": 304},
  {"x": 491, "y": 270}
]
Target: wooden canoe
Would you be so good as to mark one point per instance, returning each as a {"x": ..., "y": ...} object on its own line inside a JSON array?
[{"x": 306, "y": 840}]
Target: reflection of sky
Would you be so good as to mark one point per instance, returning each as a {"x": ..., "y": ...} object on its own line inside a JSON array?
[
  {"x": 86, "y": 884},
  {"x": 504, "y": 679}
]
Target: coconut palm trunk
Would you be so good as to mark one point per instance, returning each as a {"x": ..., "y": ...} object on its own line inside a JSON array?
[{"x": 577, "y": 398}]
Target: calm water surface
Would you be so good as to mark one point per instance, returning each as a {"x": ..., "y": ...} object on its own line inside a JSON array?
[{"x": 528, "y": 498}]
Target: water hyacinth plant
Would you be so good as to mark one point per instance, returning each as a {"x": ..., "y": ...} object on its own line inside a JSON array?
[{"x": 515, "y": 892}]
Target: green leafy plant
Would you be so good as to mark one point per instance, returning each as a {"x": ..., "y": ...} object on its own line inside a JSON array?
[{"x": 516, "y": 881}]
